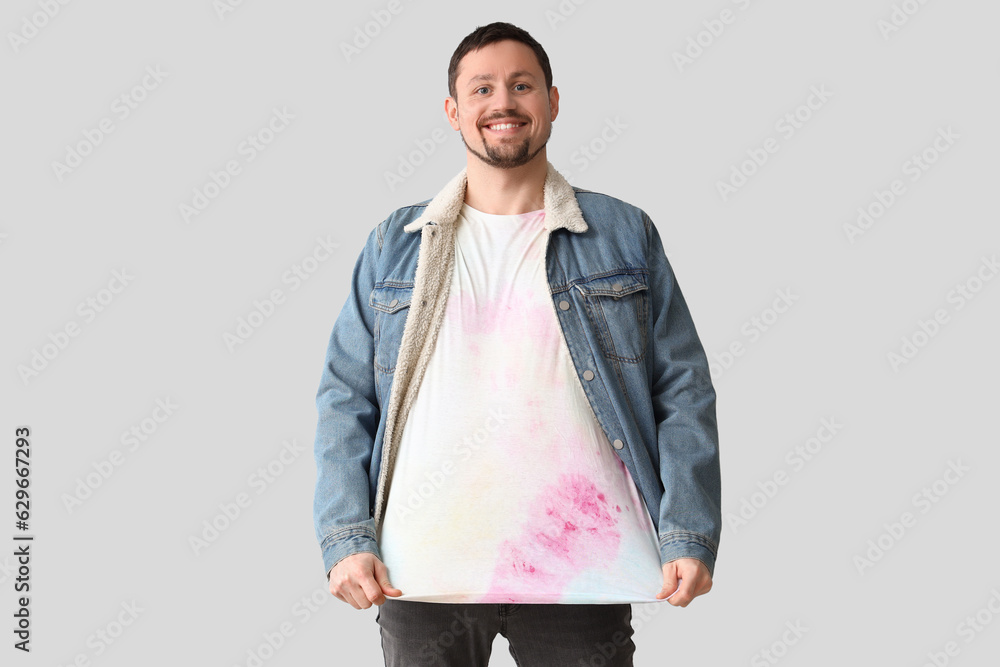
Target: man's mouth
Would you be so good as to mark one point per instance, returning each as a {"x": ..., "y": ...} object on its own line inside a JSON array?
[{"x": 504, "y": 128}]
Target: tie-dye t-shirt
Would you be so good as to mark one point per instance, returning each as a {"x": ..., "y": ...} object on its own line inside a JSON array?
[{"x": 505, "y": 487}]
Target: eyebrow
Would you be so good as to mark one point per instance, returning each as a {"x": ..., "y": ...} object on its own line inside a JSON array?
[{"x": 513, "y": 75}]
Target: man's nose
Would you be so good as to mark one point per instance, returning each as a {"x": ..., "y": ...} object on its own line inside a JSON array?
[{"x": 503, "y": 100}]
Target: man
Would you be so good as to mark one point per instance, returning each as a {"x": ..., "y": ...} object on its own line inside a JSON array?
[{"x": 516, "y": 362}]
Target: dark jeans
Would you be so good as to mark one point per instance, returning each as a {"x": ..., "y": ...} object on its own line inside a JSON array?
[{"x": 540, "y": 635}]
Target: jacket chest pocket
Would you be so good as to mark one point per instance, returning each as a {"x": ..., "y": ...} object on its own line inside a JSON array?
[
  {"x": 618, "y": 308},
  {"x": 391, "y": 304}
]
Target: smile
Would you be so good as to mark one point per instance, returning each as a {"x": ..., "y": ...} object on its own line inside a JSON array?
[{"x": 505, "y": 128}]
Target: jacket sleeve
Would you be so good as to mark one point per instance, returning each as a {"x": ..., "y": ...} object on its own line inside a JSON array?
[
  {"x": 683, "y": 398},
  {"x": 348, "y": 421}
]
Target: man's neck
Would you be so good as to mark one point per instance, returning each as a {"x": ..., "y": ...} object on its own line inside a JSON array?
[{"x": 506, "y": 191}]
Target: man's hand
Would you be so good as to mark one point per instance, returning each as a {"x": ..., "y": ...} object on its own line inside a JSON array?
[
  {"x": 696, "y": 581},
  {"x": 362, "y": 580}
]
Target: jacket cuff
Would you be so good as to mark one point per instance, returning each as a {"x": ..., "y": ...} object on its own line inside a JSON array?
[
  {"x": 346, "y": 542},
  {"x": 685, "y": 544}
]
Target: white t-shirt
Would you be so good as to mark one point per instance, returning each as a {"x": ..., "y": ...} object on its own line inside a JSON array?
[{"x": 505, "y": 487}]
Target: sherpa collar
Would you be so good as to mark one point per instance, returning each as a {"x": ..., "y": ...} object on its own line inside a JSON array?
[{"x": 561, "y": 207}]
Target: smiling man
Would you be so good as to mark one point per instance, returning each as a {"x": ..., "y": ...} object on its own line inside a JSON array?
[{"x": 517, "y": 429}]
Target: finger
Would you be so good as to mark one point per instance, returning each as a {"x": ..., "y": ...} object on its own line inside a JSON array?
[
  {"x": 370, "y": 592},
  {"x": 335, "y": 590},
  {"x": 676, "y": 588},
  {"x": 382, "y": 576},
  {"x": 669, "y": 583},
  {"x": 352, "y": 597},
  {"x": 342, "y": 591},
  {"x": 359, "y": 590},
  {"x": 684, "y": 594}
]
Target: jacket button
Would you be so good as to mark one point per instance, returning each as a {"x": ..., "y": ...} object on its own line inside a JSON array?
[
  {"x": 617, "y": 287},
  {"x": 618, "y": 444},
  {"x": 393, "y": 303},
  {"x": 433, "y": 232},
  {"x": 564, "y": 305},
  {"x": 588, "y": 375}
]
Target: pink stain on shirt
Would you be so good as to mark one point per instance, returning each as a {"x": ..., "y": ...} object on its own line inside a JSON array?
[
  {"x": 510, "y": 314},
  {"x": 570, "y": 531},
  {"x": 533, "y": 218}
]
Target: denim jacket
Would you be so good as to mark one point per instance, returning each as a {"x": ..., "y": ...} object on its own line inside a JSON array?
[{"x": 630, "y": 335}]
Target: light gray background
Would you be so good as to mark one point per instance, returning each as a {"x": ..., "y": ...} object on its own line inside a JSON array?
[{"x": 324, "y": 176}]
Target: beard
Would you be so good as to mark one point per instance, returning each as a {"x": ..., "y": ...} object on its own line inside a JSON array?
[{"x": 507, "y": 154}]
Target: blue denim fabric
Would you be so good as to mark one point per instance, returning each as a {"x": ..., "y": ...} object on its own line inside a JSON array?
[{"x": 631, "y": 338}]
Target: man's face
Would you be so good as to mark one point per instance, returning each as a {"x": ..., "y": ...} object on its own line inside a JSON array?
[{"x": 502, "y": 83}]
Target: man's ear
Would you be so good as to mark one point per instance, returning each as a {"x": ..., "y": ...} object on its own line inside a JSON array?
[
  {"x": 451, "y": 111},
  {"x": 554, "y": 102}
]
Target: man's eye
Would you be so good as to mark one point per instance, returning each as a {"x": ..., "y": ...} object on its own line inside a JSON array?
[
  {"x": 522, "y": 84},
  {"x": 481, "y": 88}
]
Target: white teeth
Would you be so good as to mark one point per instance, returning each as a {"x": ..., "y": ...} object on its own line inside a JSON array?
[{"x": 505, "y": 126}]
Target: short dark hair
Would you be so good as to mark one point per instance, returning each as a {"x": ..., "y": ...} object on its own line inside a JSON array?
[{"x": 496, "y": 32}]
